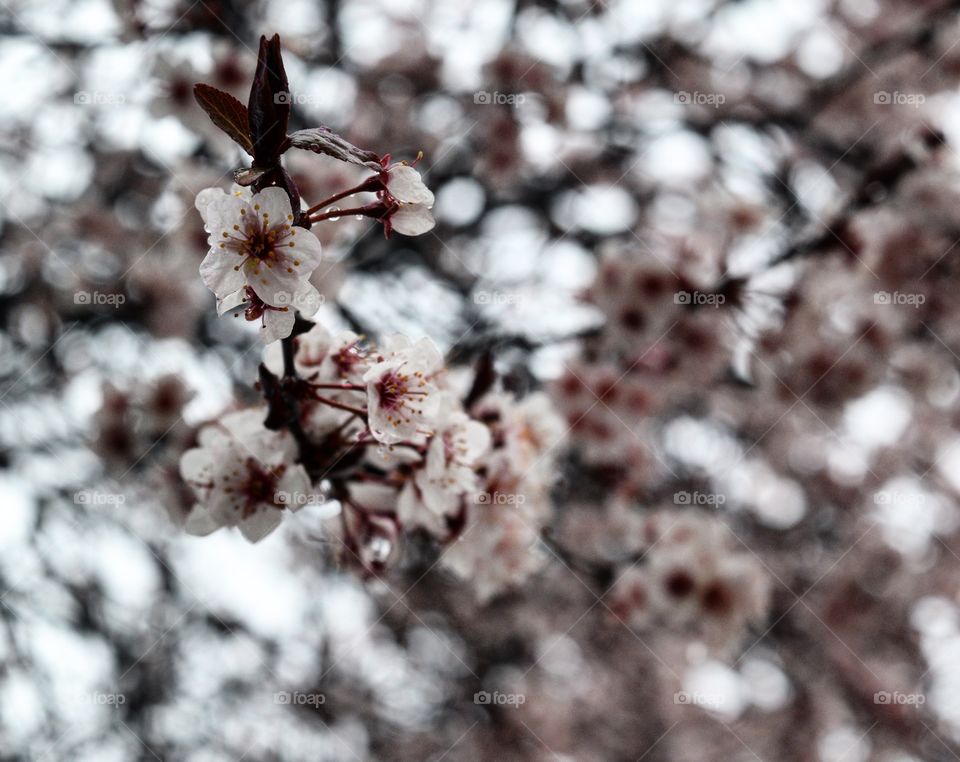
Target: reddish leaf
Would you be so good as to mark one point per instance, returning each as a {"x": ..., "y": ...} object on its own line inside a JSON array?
[
  {"x": 322, "y": 140},
  {"x": 269, "y": 104},
  {"x": 225, "y": 111}
]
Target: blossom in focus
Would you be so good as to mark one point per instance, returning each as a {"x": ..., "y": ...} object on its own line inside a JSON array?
[
  {"x": 276, "y": 322},
  {"x": 404, "y": 183},
  {"x": 253, "y": 242},
  {"x": 402, "y": 402},
  {"x": 243, "y": 475},
  {"x": 409, "y": 201}
]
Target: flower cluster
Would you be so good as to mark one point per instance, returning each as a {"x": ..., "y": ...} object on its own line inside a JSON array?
[
  {"x": 693, "y": 578},
  {"x": 656, "y": 347},
  {"x": 393, "y": 450},
  {"x": 262, "y": 252},
  {"x": 243, "y": 475},
  {"x": 378, "y": 440},
  {"x": 499, "y": 544}
]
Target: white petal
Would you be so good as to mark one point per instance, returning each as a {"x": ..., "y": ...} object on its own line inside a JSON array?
[
  {"x": 478, "y": 441},
  {"x": 273, "y": 358},
  {"x": 230, "y": 302},
  {"x": 245, "y": 424},
  {"x": 308, "y": 300},
  {"x": 277, "y": 325},
  {"x": 273, "y": 284},
  {"x": 196, "y": 465},
  {"x": 395, "y": 342},
  {"x": 274, "y": 204},
  {"x": 260, "y": 524},
  {"x": 218, "y": 273},
  {"x": 405, "y": 185},
  {"x": 200, "y": 522},
  {"x": 412, "y": 219},
  {"x": 296, "y": 484},
  {"x": 220, "y": 211},
  {"x": 306, "y": 249},
  {"x": 206, "y": 197},
  {"x": 241, "y": 191},
  {"x": 425, "y": 355}
]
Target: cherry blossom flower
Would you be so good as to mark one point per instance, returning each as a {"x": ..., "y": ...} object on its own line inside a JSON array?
[
  {"x": 253, "y": 242},
  {"x": 324, "y": 356},
  {"x": 404, "y": 183},
  {"x": 242, "y": 474},
  {"x": 327, "y": 361},
  {"x": 276, "y": 322},
  {"x": 448, "y": 476},
  {"x": 409, "y": 219},
  {"x": 408, "y": 201},
  {"x": 694, "y": 578},
  {"x": 526, "y": 433},
  {"x": 401, "y": 390}
]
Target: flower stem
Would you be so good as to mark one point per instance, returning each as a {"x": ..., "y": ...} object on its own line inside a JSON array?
[
  {"x": 370, "y": 210},
  {"x": 370, "y": 184},
  {"x": 341, "y": 406}
]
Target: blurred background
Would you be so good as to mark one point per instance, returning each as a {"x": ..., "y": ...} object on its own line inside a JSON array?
[{"x": 721, "y": 236}]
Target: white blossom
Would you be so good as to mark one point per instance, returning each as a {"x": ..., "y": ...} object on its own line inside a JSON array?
[
  {"x": 275, "y": 322},
  {"x": 243, "y": 475},
  {"x": 412, "y": 215},
  {"x": 448, "y": 476},
  {"x": 253, "y": 242},
  {"x": 404, "y": 183},
  {"x": 402, "y": 401}
]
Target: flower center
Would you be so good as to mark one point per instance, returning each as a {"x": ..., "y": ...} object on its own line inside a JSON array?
[
  {"x": 260, "y": 487},
  {"x": 261, "y": 243},
  {"x": 393, "y": 390}
]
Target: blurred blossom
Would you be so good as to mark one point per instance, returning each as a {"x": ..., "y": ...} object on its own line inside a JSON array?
[{"x": 618, "y": 418}]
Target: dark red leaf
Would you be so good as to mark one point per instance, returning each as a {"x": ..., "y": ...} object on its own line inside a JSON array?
[
  {"x": 269, "y": 105},
  {"x": 225, "y": 111}
]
